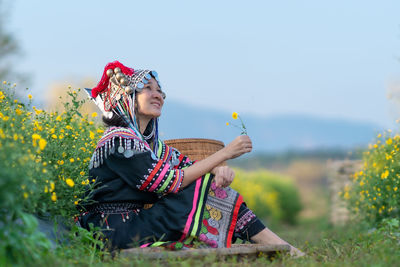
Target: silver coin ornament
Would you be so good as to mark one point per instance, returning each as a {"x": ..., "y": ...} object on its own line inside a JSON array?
[
  {"x": 163, "y": 95},
  {"x": 124, "y": 81},
  {"x": 147, "y": 76},
  {"x": 110, "y": 72},
  {"x": 128, "y": 90},
  {"x": 140, "y": 85},
  {"x": 128, "y": 153},
  {"x": 121, "y": 149},
  {"x": 118, "y": 97},
  {"x": 116, "y": 70},
  {"x": 120, "y": 76}
]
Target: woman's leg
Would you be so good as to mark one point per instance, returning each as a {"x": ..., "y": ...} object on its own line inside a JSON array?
[
  {"x": 247, "y": 224},
  {"x": 250, "y": 228},
  {"x": 268, "y": 237}
]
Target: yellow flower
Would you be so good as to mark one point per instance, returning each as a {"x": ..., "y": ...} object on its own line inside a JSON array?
[
  {"x": 54, "y": 197},
  {"x": 54, "y": 136},
  {"x": 52, "y": 186},
  {"x": 82, "y": 173},
  {"x": 379, "y": 135},
  {"x": 58, "y": 118},
  {"x": 100, "y": 131},
  {"x": 60, "y": 162},
  {"x": 26, "y": 195},
  {"x": 71, "y": 160},
  {"x": 42, "y": 143},
  {"x": 76, "y": 202},
  {"x": 395, "y": 189},
  {"x": 15, "y": 137},
  {"x": 384, "y": 175},
  {"x": 30, "y": 96},
  {"x": 46, "y": 189},
  {"x": 362, "y": 183},
  {"x": 91, "y": 135},
  {"x": 234, "y": 115},
  {"x": 61, "y": 136},
  {"x": 18, "y": 111},
  {"x": 69, "y": 182},
  {"x": 35, "y": 136},
  {"x": 94, "y": 114},
  {"x": 389, "y": 141},
  {"x": 227, "y": 124}
]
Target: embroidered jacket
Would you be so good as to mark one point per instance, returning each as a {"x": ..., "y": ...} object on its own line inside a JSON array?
[{"x": 122, "y": 163}]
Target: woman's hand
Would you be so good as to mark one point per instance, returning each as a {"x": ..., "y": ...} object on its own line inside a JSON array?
[
  {"x": 239, "y": 146},
  {"x": 223, "y": 176}
]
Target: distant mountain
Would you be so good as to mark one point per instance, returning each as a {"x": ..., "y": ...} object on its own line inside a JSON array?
[{"x": 269, "y": 134}]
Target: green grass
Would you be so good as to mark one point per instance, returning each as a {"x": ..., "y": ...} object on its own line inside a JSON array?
[{"x": 354, "y": 244}]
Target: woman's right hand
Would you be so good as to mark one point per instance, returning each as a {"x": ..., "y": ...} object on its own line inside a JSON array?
[{"x": 239, "y": 146}]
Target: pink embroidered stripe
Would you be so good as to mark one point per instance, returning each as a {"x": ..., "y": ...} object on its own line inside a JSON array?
[
  {"x": 160, "y": 177},
  {"x": 190, "y": 218},
  {"x": 145, "y": 245}
]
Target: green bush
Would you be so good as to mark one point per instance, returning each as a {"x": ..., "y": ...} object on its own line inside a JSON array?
[
  {"x": 43, "y": 163},
  {"x": 268, "y": 194},
  {"x": 374, "y": 193}
]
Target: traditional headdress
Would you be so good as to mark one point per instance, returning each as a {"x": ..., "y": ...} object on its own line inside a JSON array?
[{"x": 116, "y": 93}]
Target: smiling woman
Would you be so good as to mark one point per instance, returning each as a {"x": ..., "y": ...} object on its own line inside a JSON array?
[{"x": 192, "y": 203}]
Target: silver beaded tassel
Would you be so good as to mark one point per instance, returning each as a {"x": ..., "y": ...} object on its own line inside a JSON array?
[{"x": 127, "y": 147}]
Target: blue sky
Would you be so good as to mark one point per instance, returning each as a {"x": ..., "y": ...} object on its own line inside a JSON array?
[{"x": 333, "y": 59}]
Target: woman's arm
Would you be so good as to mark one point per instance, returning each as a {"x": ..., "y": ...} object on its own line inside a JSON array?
[{"x": 239, "y": 146}]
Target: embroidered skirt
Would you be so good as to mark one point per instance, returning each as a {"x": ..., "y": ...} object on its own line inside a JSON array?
[{"x": 200, "y": 214}]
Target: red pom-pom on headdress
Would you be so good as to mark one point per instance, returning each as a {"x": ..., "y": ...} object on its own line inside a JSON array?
[{"x": 105, "y": 80}]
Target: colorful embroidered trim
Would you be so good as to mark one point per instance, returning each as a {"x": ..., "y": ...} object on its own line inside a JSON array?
[{"x": 194, "y": 218}]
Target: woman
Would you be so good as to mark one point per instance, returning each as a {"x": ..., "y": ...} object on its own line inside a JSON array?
[{"x": 192, "y": 201}]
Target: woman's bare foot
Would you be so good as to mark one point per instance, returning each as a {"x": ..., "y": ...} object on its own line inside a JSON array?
[
  {"x": 295, "y": 252},
  {"x": 267, "y": 237}
]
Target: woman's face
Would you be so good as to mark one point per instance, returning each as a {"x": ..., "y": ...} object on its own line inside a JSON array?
[{"x": 150, "y": 100}]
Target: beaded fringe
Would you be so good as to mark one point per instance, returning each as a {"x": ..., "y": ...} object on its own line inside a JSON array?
[{"x": 127, "y": 147}]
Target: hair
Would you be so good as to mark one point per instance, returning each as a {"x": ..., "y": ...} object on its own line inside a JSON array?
[{"x": 115, "y": 120}]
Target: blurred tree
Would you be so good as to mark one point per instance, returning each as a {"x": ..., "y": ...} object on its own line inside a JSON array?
[{"x": 9, "y": 48}]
